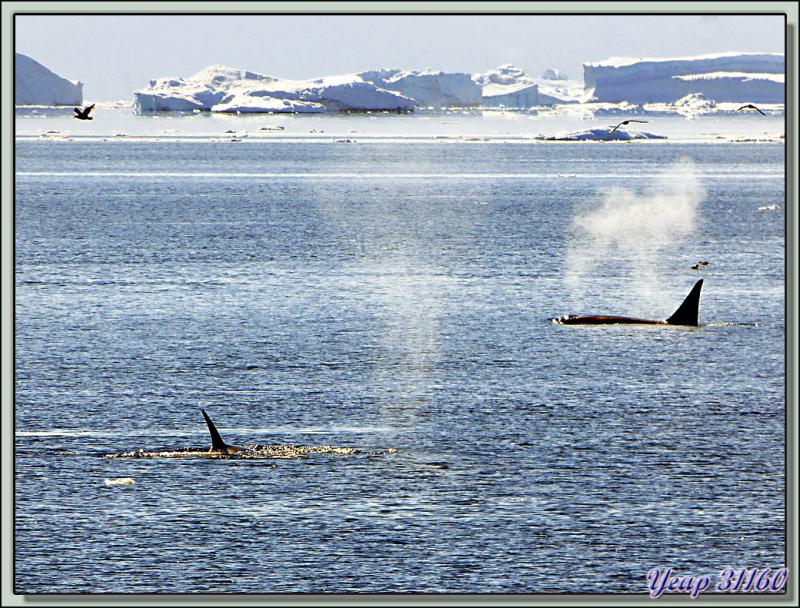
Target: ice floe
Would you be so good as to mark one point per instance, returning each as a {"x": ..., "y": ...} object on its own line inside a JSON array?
[{"x": 603, "y": 135}]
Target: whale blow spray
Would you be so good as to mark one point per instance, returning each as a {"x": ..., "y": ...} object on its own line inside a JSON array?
[{"x": 635, "y": 232}]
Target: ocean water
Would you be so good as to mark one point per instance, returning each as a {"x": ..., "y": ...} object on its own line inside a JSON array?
[{"x": 395, "y": 295}]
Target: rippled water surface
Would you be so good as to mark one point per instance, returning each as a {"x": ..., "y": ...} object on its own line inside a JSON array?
[{"x": 390, "y": 295}]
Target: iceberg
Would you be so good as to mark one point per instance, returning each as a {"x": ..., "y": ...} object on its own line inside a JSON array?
[
  {"x": 225, "y": 89},
  {"x": 34, "y": 84},
  {"x": 428, "y": 87},
  {"x": 510, "y": 87},
  {"x": 693, "y": 105},
  {"x": 603, "y": 135},
  {"x": 268, "y": 105},
  {"x": 724, "y": 77},
  {"x": 553, "y": 74},
  {"x": 737, "y": 86}
]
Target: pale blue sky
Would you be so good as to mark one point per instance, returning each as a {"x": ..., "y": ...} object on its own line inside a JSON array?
[{"x": 114, "y": 55}]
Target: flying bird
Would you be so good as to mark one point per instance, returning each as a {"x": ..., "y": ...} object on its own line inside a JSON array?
[
  {"x": 83, "y": 114},
  {"x": 626, "y": 122},
  {"x": 750, "y": 106}
]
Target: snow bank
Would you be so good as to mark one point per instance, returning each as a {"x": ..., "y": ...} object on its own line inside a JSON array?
[
  {"x": 225, "y": 89},
  {"x": 428, "y": 87},
  {"x": 734, "y": 77},
  {"x": 511, "y": 87},
  {"x": 604, "y": 135},
  {"x": 35, "y": 85}
]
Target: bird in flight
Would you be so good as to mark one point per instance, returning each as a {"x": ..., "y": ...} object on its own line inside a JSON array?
[
  {"x": 750, "y": 106},
  {"x": 626, "y": 122},
  {"x": 83, "y": 114}
]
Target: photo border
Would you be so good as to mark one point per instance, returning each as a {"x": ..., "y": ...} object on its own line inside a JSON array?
[{"x": 10, "y": 9}]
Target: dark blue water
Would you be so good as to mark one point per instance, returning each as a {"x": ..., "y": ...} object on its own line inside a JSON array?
[{"x": 389, "y": 295}]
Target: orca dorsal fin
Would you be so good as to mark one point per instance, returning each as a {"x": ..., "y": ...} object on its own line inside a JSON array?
[
  {"x": 216, "y": 439},
  {"x": 687, "y": 312}
]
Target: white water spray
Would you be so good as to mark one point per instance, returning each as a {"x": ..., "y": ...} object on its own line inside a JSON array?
[{"x": 630, "y": 234}]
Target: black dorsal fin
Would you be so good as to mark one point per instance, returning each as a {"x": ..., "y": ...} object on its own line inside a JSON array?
[
  {"x": 216, "y": 439},
  {"x": 687, "y": 312}
]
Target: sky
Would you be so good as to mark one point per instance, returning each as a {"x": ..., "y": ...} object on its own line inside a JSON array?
[{"x": 117, "y": 54}]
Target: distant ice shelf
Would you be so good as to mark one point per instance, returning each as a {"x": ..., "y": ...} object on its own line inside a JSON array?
[
  {"x": 685, "y": 85},
  {"x": 734, "y": 77}
]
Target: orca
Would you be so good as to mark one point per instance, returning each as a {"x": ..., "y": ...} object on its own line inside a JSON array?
[
  {"x": 218, "y": 446},
  {"x": 220, "y": 449},
  {"x": 686, "y": 314}
]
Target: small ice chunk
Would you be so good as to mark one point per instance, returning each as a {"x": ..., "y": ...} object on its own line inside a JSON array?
[{"x": 120, "y": 481}]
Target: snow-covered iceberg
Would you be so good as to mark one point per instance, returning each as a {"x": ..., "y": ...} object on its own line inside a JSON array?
[
  {"x": 428, "y": 87},
  {"x": 225, "y": 89},
  {"x": 35, "y": 85},
  {"x": 510, "y": 87},
  {"x": 604, "y": 135},
  {"x": 553, "y": 74},
  {"x": 734, "y": 77}
]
